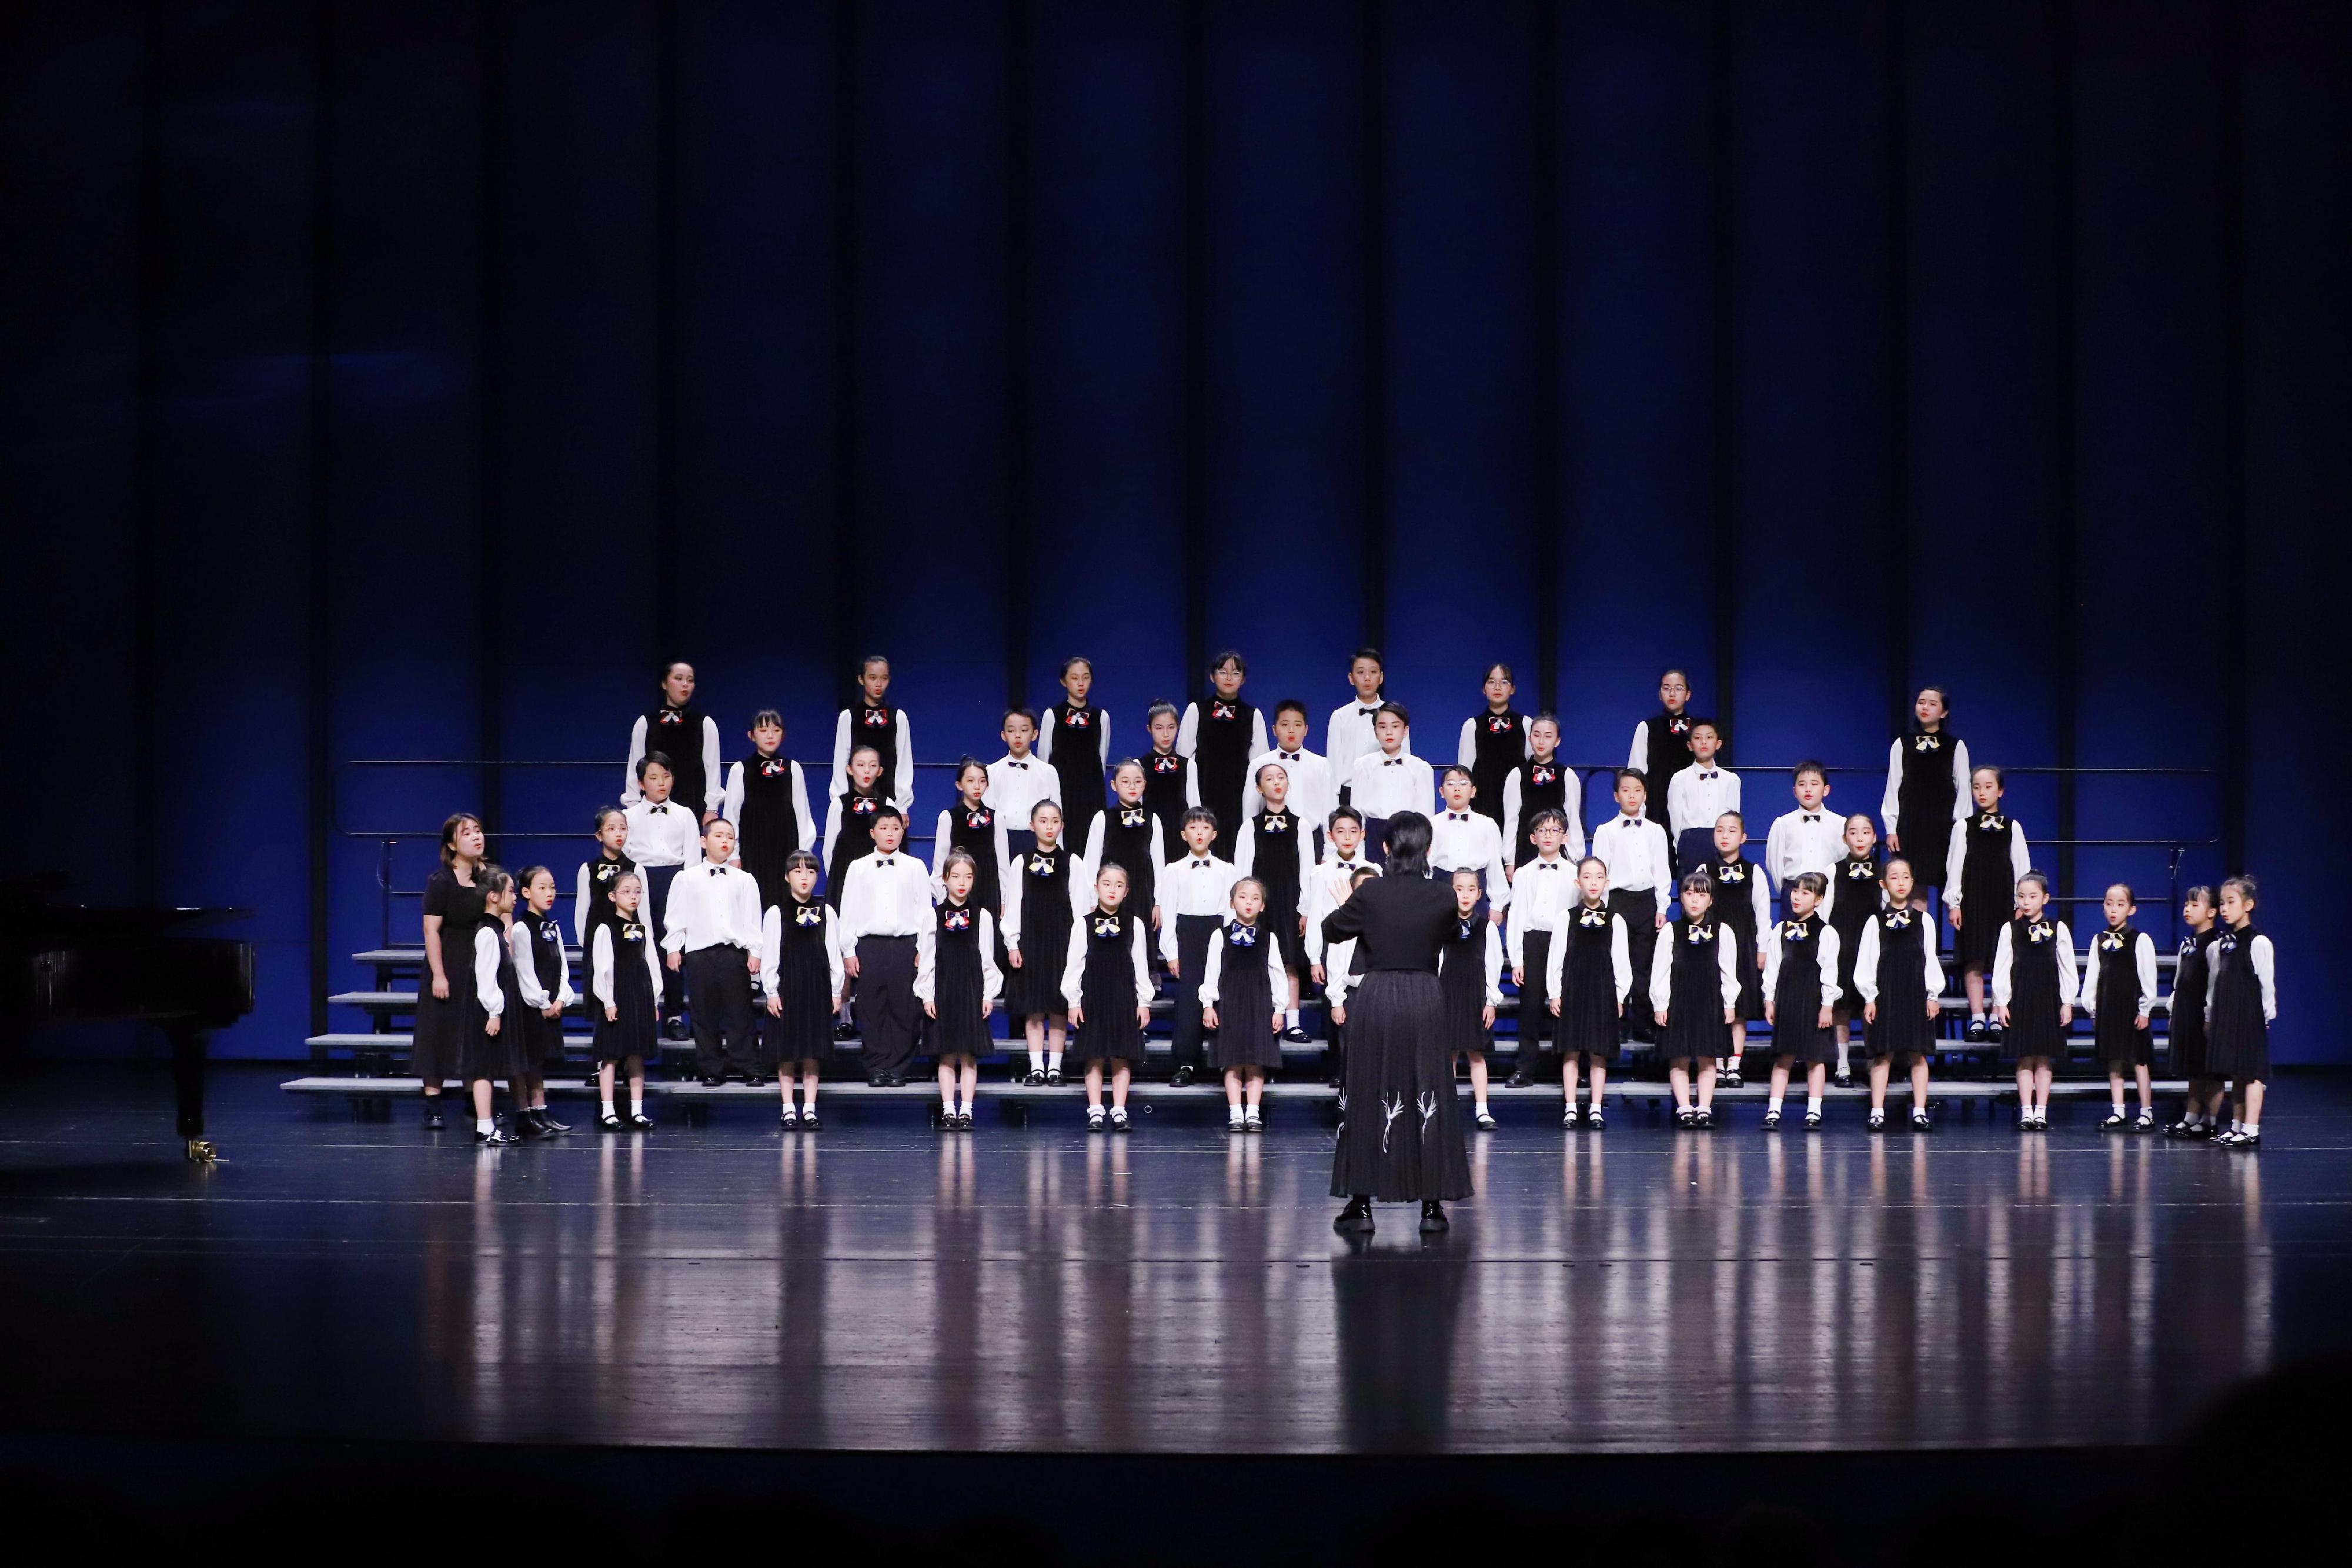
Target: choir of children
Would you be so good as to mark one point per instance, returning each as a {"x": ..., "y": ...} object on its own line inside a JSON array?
[{"x": 1219, "y": 852}]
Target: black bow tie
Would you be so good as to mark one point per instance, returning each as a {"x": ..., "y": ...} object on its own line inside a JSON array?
[
  {"x": 1457, "y": 816},
  {"x": 661, "y": 810},
  {"x": 1022, "y": 766},
  {"x": 1547, "y": 865},
  {"x": 1287, "y": 756},
  {"x": 1200, "y": 865},
  {"x": 1368, "y": 713},
  {"x": 1812, "y": 816},
  {"x": 1394, "y": 762},
  {"x": 1708, "y": 774},
  {"x": 881, "y": 860}
]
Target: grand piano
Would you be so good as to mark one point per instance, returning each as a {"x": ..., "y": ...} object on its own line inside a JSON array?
[{"x": 74, "y": 964}]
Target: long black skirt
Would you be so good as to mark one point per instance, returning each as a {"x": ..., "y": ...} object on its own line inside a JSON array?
[
  {"x": 438, "y": 1047},
  {"x": 1402, "y": 1136}
]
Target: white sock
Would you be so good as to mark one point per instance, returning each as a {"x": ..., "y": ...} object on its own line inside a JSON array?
[
  {"x": 1775, "y": 1106},
  {"x": 1053, "y": 1061},
  {"x": 946, "y": 1100},
  {"x": 2253, "y": 1129},
  {"x": 1290, "y": 1018},
  {"x": 483, "y": 1123},
  {"x": 1813, "y": 1104},
  {"x": 1481, "y": 1100},
  {"x": 608, "y": 1108},
  {"x": 1036, "y": 1062},
  {"x": 1843, "y": 1051},
  {"x": 1234, "y": 1114},
  {"x": 636, "y": 1104}
]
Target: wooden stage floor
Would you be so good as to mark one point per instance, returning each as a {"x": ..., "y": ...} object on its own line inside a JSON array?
[{"x": 880, "y": 1286}]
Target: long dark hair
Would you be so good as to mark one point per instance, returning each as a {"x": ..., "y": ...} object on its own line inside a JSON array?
[{"x": 1408, "y": 844}]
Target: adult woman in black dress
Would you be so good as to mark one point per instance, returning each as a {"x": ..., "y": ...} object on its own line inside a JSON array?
[
  {"x": 1400, "y": 1135},
  {"x": 453, "y": 913}
]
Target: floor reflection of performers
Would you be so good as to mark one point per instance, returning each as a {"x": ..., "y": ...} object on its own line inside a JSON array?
[
  {"x": 1401, "y": 1137},
  {"x": 1396, "y": 1317}
]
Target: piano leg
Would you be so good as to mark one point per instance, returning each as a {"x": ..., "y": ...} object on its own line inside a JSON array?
[{"x": 188, "y": 1052}]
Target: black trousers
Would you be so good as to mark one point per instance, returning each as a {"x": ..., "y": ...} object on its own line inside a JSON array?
[
  {"x": 189, "y": 1048},
  {"x": 1639, "y": 911},
  {"x": 719, "y": 996},
  {"x": 657, "y": 879},
  {"x": 1186, "y": 1038},
  {"x": 1536, "y": 1023},
  {"x": 888, "y": 1013}
]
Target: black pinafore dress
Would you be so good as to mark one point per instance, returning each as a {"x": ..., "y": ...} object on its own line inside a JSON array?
[
  {"x": 958, "y": 1028},
  {"x": 1797, "y": 995},
  {"x": 1734, "y": 892},
  {"x": 855, "y": 841},
  {"x": 1126, "y": 843},
  {"x": 1245, "y": 1036},
  {"x": 2185, "y": 1019},
  {"x": 803, "y": 1031},
  {"x": 2034, "y": 997},
  {"x": 541, "y": 1039},
  {"x": 1497, "y": 745},
  {"x": 1221, "y": 750},
  {"x": 1988, "y": 889},
  {"x": 1462, "y": 985},
  {"x": 1924, "y": 799},
  {"x": 2238, "y": 1047},
  {"x": 878, "y": 727},
  {"x": 1045, "y": 893},
  {"x": 1543, "y": 786},
  {"x": 2115, "y": 1036},
  {"x": 1078, "y": 765},
  {"x": 634, "y": 1032},
  {"x": 769, "y": 829},
  {"x": 1901, "y": 1027},
  {"x": 972, "y": 829},
  {"x": 495, "y": 1056},
  {"x": 601, "y": 875},
  {"x": 1857, "y": 901},
  {"x": 676, "y": 733},
  {"x": 1670, "y": 753},
  {"x": 1164, "y": 776},
  {"x": 1694, "y": 1028},
  {"x": 1588, "y": 989},
  {"x": 1106, "y": 990},
  {"x": 1274, "y": 835}
]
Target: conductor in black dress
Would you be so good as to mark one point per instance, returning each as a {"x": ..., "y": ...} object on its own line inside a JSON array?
[{"x": 1401, "y": 1128}]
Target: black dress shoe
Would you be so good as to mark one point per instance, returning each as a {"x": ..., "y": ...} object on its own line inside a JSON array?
[
  {"x": 640, "y": 1123},
  {"x": 674, "y": 1029},
  {"x": 1036, "y": 1077},
  {"x": 1520, "y": 1080},
  {"x": 550, "y": 1123},
  {"x": 1295, "y": 1035},
  {"x": 497, "y": 1137},
  {"x": 845, "y": 1031},
  {"x": 1843, "y": 1080},
  {"x": 1053, "y": 1078},
  {"x": 809, "y": 1123},
  {"x": 527, "y": 1125},
  {"x": 433, "y": 1122},
  {"x": 1432, "y": 1218},
  {"x": 611, "y": 1124},
  {"x": 714, "y": 1080},
  {"x": 1355, "y": 1219},
  {"x": 1180, "y": 1078}
]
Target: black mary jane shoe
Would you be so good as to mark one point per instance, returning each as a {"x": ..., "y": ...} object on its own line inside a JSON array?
[
  {"x": 640, "y": 1123},
  {"x": 1703, "y": 1121},
  {"x": 1053, "y": 1078},
  {"x": 1485, "y": 1121},
  {"x": 1843, "y": 1079},
  {"x": 1356, "y": 1219},
  {"x": 497, "y": 1137},
  {"x": 1730, "y": 1080},
  {"x": 809, "y": 1122},
  {"x": 1432, "y": 1218},
  {"x": 1033, "y": 1079},
  {"x": 433, "y": 1122},
  {"x": 2114, "y": 1122},
  {"x": 1771, "y": 1123},
  {"x": 1180, "y": 1078},
  {"x": 1922, "y": 1122},
  {"x": 611, "y": 1124}
]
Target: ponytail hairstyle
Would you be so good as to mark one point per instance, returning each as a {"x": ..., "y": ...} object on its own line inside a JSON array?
[
  {"x": 2247, "y": 887},
  {"x": 2038, "y": 879},
  {"x": 1409, "y": 844},
  {"x": 1812, "y": 882},
  {"x": 493, "y": 881}
]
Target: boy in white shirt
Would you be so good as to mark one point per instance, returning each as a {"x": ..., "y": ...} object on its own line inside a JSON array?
[
  {"x": 713, "y": 940},
  {"x": 1019, "y": 779},
  {"x": 1544, "y": 888},
  {"x": 1698, "y": 796},
  {"x": 1194, "y": 889},
  {"x": 1349, "y": 735},
  {"x": 662, "y": 839},
  {"x": 1312, "y": 795},
  {"x": 1809, "y": 837},
  {"x": 1389, "y": 779},
  {"x": 1640, "y": 886},
  {"x": 885, "y": 906},
  {"x": 1463, "y": 840}
]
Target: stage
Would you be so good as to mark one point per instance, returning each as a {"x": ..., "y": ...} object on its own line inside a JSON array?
[{"x": 880, "y": 1286}]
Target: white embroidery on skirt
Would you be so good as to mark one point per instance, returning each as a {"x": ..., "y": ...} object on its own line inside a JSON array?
[
  {"x": 1392, "y": 1108},
  {"x": 1428, "y": 1110}
]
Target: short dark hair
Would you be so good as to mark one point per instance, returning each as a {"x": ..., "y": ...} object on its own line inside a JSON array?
[
  {"x": 1618, "y": 776},
  {"x": 1547, "y": 818},
  {"x": 1453, "y": 767},
  {"x": 801, "y": 858},
  {"x": 1393, "y": 707},
  {"x": 1362, "y": 874},
  {"x": 1197, "y": 814},
  {"x": 1012, "y": 712},
  {"x": 655, "y": 760},
  {"x": 1367, "y": 652},
  {"x": 1290, "y": 705},
  {"x": 1349, "y": 813},
  {"x": 887, "y": 812},
  {"x": 1809, "y": 765}
]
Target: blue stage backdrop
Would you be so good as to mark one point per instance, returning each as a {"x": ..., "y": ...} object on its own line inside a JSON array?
[{"x": 387, "y": 380}]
